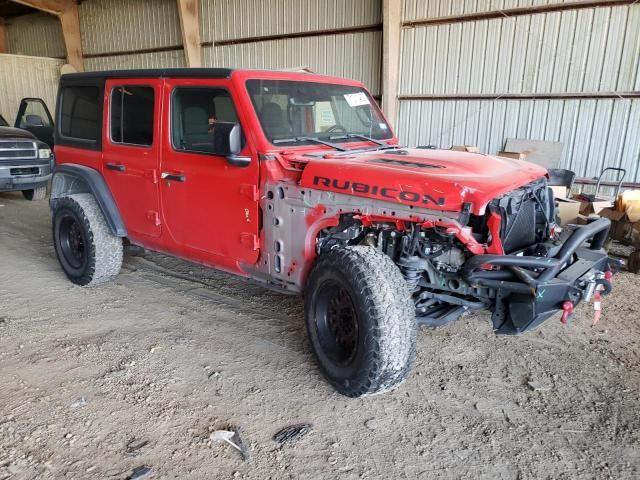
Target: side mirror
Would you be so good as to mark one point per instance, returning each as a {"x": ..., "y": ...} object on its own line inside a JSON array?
[{"x": 227, "y": 141}]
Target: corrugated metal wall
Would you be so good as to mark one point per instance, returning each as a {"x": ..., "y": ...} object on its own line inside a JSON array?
[
  {"x": 590, "y": 51},
  {"x": 348, "y": 54},
  {"x": 37, "y": 34},
  {"x": 42, "y": 82},
  {"x": 150, "y": 30}
]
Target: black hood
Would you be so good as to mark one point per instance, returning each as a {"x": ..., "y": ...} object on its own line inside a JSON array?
[{"x": 7, "y": 133}]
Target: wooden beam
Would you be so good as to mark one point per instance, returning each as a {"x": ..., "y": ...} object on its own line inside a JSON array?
[
  {"x": 391, "y": 36},
  {"x": 189, "y": 11},
  {"x": 70, "y": 22},
  {"x": 3, "y": 36},
  {"x": 55, "y": 7}
]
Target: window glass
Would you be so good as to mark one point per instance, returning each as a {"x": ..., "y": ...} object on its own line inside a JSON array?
[
  {"x": 132, "y": 115},
  {"x": 3, "y": 122},
  {"x": 195, "y": 113},
  {"x": 289, "y": 110},
  {"x": 80, "y": 113},
  {"x": 35, "y": 115}
]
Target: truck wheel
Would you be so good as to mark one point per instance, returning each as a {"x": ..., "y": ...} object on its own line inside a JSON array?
[
  {"x": 38, "y": 193},
  {"x": 361, "y": 320},
  {"x": 87, "y": 250}
]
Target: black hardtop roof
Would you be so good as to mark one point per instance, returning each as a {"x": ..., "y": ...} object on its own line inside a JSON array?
[{"x": 152, "y": 73}]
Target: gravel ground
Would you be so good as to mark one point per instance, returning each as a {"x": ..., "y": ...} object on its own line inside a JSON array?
[{"x": 97, "y": 382}]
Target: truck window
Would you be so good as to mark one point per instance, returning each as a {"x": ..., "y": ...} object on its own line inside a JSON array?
[
  {"x": 34, "y": 115},
  {"x": 195, "y": 111},
  {"x": 131, "y": 115},
  {"x": 79, "y": 114}
]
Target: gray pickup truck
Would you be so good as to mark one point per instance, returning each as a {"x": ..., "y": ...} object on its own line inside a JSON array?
[{"x": 26, "y": 161}]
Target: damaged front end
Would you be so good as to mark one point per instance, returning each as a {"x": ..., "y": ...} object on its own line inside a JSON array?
[
  {"x": 513, "y": 260},
  {"x": 529, "y": 289}
]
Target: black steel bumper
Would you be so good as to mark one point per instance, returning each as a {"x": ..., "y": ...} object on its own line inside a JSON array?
[{"x": 531, "y": 289}]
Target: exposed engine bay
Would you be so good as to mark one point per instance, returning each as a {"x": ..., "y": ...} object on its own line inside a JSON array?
[{"x": 431, "y": 259}]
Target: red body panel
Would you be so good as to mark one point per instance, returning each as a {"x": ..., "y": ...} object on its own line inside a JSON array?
[{"x": 437, "y": 179}]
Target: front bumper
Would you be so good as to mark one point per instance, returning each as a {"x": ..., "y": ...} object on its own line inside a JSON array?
[
  {"x": 24, "y": 177},
  {"x": 531, "y": 289}
]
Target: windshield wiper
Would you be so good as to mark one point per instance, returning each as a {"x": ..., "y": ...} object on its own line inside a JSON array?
[
  {"x": 309, "y": 139},
  {"x": 357, "y": 135}
]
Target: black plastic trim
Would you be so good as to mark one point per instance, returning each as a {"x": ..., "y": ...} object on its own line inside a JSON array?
[{"x": 98, "y": 188}]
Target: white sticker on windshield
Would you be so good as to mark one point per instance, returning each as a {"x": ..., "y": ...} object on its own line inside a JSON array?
[
  {"x": 356, "y": 99},
  {"x": 383, "y": 126}
]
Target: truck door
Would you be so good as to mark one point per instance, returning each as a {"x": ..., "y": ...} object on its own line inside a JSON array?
[
  {"x": 33, "y": 116},
  {"x": 131, "y": 152},
  {"x": 208, "y": 205}
]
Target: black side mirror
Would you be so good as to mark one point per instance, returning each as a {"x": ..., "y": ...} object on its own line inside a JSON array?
[{"x": 227, "y": 142}]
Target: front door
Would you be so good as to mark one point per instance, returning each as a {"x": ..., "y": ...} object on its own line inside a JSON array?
[
  {"x": 209, "y": 206},
  {"x": 131, "y": 152},
  {"x": 33, "y": 115}
]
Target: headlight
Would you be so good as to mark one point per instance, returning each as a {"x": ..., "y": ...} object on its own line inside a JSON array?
[{"x": 44, "y": 153}]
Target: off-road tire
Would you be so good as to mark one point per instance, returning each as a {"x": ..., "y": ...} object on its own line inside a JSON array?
[
  {"x": 386, "y": 326},
  {"x": 38, "y": 193},
  {"x": 101, "y": 254}
]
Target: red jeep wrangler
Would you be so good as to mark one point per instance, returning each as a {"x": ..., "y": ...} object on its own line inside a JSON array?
[{"x": 298, "y": 182}]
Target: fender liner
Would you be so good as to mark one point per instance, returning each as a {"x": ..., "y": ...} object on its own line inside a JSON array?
[{"x": 70, "y": 178}]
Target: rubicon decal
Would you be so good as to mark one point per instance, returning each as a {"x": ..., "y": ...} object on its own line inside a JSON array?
[{"x": 378, "y": 191}]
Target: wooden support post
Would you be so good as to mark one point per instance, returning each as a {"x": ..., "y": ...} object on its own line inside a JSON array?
[
  {"x": 71, "y": 31},
  {"x": 189, "y": 11},
  {"x": 391, "y": 37},
  {"x": 3, "y": 37},
  {"x": 67, "y": 12}
]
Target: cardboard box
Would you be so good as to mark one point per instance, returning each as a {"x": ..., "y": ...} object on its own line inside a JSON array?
[
  {"x": 559, "y": 191},
  {"x": 514, "y": 155},
  {"x": 596, "y": 206},
  {"x": 568, "y": 210},
  {"x": 465, "y": 148}
]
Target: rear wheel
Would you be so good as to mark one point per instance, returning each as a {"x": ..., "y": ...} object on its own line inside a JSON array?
[
  {"x": 361, "y": 320},
  {"x": 87, "y": 250},
  {"x": 38, "y": 193}
]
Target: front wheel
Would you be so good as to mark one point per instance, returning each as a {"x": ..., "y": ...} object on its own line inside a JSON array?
[
  {"x": 361, "y": 320},
  {"x": 38, "y": 193},
  {"x": 87, "y": 250}
]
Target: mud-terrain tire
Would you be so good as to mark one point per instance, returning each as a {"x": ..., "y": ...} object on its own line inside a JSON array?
[
  {"x": 38, "y": 193},
  {"x": 87, "y": 250},
  {"x": 361, "y": 320}
]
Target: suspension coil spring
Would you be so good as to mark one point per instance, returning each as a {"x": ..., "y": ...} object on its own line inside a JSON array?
[{"x": 411, "y": 276}]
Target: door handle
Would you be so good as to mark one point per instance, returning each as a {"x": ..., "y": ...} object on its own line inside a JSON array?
[
  {"x": 115, "y": 166},
  {"x": 176, "y": 177}
]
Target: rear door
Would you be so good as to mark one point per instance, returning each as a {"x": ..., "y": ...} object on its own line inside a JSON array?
[
  {"x": 33, "y": 116},
  {"x": 131, "y": 152}
]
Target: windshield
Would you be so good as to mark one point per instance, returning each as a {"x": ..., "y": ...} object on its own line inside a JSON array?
[
  {"x": 3, "y": 122},
  {"x": 305, "y": 112}
]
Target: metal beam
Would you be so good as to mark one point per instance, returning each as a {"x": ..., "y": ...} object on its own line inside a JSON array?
[
  {"x": 3, "y": 36},
  {"x": 391, "y": 35},
  {"x": 189, "y": 12}
]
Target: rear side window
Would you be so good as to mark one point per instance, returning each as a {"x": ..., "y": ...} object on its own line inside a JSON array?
[
  {"x": 80, "y": 113},
  {"x": 132, "y": 115}
]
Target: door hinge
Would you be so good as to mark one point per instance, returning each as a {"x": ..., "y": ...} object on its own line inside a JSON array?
[
  {"x": 250, "y": 191},
  {"x": 153, "y": 217},
  {"x": 250, "y": 240}
]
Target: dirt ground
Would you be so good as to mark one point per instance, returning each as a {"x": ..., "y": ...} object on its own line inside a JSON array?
[{"x": 97, "y": 382}]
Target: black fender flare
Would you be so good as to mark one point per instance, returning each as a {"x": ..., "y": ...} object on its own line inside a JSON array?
[{"x": 71, "y": 178}]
